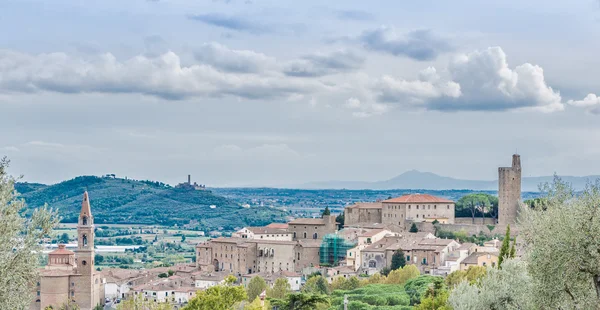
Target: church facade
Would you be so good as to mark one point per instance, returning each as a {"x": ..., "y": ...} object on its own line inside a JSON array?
[{"x": 70, "y": 277}]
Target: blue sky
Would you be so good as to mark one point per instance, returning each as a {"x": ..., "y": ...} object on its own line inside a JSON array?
[{"x": 252, "y": 92}]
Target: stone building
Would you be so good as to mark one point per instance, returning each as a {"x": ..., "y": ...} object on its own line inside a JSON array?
[
  {"x": 307, "y": 228},
  {"x": 401, "y": 210},
  {"x": 70, "y": 277},
  {"x": 509, "y": 192},
  {"x": 246, "y": 256}
]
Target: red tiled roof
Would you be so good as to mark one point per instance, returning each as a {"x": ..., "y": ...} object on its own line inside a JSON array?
[
  {"x": 61, "y": 251},
  {"x": 366, "y": 205},
  {"x": 278, "y": 225},
  {"x": 418, "y": 198}
]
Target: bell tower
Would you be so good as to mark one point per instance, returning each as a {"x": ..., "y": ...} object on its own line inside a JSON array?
[{"x": 83, "y": 284}]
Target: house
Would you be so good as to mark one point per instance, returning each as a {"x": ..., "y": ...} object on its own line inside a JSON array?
[
  {"x": 204, "y": 280},
  {"x": 353, "y": 257},
  {"x": 479, "y": 259}
]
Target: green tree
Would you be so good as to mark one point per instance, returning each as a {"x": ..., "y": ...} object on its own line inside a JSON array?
[
  {"x": 256, "y": 286},
  {"x": 505, "y": 249},
  {"x": 413, "y": 228},
  {"x": 398, "y": 259},
  {"x": 138, "y": 302},
  {"x": 300, "y": 301},
  {"x": 163, "y": 275},
  {"x": 472, "y": 204},
  {"x": 257, "y": 305},
  {"x": 326, "y": 211},
  {"x": 513, "y": 248},
  {"x": 20, "y": 243},
  {"x": 471, "y": 275},
  {"x": 562, "y": 245},
  {"x": 218, "y": 297},
  {"x": 316, "y": 285},
  {"x": 340, "y": 219},
  {"x": 436, "y": 298},
  {"x": 98, "y": 258},
  {"x": 64, "y": 238},
  {"x": 170, "y": 272},
  {"x": 281, "y": 287},
  {"x": 502, "y": 289},
  {"x": 402, "y": 275}
]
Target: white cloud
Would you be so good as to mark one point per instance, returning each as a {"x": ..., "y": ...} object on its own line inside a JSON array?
[
  {"x": 163, "y": 76},
  {"x": 11, "y": 149},
  {"x": 230, "y": 60},
  {"x": 481, "y": 80},
  {"x": 589, "y": 101},
  {"x": 280, "y": 150},
  {"x": 321, "y": 64},
  {"x": 44, "y": 144},
  {"x": 364, "y": 110}
]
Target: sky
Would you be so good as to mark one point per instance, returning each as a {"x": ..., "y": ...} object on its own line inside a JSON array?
[{"x": 280, "y": 93}]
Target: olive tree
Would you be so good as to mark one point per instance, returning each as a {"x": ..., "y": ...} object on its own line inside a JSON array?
[
  {"x": 562, "y": 247},
  {"x": 20, "y": 244}
]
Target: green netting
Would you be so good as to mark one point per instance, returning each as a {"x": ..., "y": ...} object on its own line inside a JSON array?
[{"x": 333, "y": 249}]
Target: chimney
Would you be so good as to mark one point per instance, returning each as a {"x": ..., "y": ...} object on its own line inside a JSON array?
[{"x": 189, "y": 179}]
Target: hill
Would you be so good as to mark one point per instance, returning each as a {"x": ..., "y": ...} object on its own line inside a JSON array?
[
  {"x": 426, "y": 180},
  {"x": 125, "y": 201}
]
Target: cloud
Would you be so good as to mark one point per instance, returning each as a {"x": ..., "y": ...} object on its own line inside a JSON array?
[
  {"x": 478, "y": 81},
  {"x": 10, "y": 149},
  {"x": 320, "y": 64},
  {"x": 262, "y": 151},
  {"x": 44, "y": 144},
  {"x": 155, "y": 45},
  {"x": 591, "y": 102},
  {"x": 420, "y": 45},
  {"x": 364, "y": 110},
  {"x": 242, "y": 61},
  {"x": 163, "y": 76},
  {"x": 235, "y": 23},
  {"x": 354, "y": 15}
]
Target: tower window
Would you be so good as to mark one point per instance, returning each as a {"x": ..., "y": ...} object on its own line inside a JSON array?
[
  {"x": 84, "y": 239},
  {"x": 84, "y": 221}
]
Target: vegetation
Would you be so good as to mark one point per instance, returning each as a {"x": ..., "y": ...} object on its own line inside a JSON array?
[
  {"x": 372, "y": 296},
  {"x": 316, "y": 285},
  {"x": 256, "y": 286},
  {"x": 125, "y": 201},
  {"x": 402, "y": 275},
  {"x": 218, "y": 297},
  {"x": 280, "y": 289},
  {"x": 505, "y": 250},
  {"x": 471, "y": 276},
  {"x": 413, "y": 228},
  {"x": 477, "y": 204},
  {"x": 300, "y": 301},
  {"x": 139, "y": 302},
  {"x": 326, "y": 211},
  {"x": 398, "y": 260},
  {"x": 19, "y": 243}
]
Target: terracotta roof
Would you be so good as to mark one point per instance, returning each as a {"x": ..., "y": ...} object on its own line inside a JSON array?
[
  {"x": 366, "y": 205},
  {"x": 372, "y": 232},
  {"x": 266, "y": 230},
  {"x": 307, "y": 221},
  {"x": 278, "y": 225},
  {"x": 61, "y": 251},
  {"x": 418, "y": 198},
  {"x": 472, "y": 259},
  {"x": 466, "y": 246}
]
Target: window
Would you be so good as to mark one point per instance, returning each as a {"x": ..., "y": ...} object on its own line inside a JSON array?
[
  {"x": 298, "y": 256},
  {"x": 372, "y": 264},
  {"x": 72, "y": 293},
  {"x": 408, "y": 207},
  {"x": 304, "y": 235},
  {"x": 434, "y": 207},
  {"x": 38, "y": 293},
  {"x": 84, "y": 221},
  {"x": 315, "y": 236},
  {"x": 428, "y": 207},
  {"x": 315, "y": 227},
  {"x": 417, "y": 207},
  {"x": 408, "y": 258},
  {"x": 424, "y": 262},
  {"x": 84, "y": 240},
  {"x": 294, "y": 235},
  {"x": 448, "y": 206},
  {"x": 368, "y": 240},
  {"x": 417, "y": 216}
]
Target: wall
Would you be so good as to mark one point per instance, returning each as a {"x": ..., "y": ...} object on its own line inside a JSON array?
[
  {"x": 54, "y": 291},
  {"x": 478, "y": 220},
  {"x": 309, "y": 256},
  {"x": 509, "y": 191},
  {"x": 282, "y": 258}
]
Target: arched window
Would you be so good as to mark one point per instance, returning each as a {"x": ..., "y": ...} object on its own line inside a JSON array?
[
  {"x": 315, "y": 236},
  {"x": 372, "y": 264},
  {"x": 304, "y": 235},
  {"x": 84, "y": 221},
  {"x": 84, "y": 240},
  {"x": 294, "y": 235}
]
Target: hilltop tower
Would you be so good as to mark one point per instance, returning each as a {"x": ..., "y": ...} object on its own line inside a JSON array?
[
  {"x": 509, "y": 191},
  {"x": 84, "y": 292}
]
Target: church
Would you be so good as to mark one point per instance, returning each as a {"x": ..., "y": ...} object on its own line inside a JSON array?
[{"x": 70, "y": 277}]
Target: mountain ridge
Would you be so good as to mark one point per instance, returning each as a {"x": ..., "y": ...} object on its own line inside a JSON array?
[{"x": 414, "y": 179}]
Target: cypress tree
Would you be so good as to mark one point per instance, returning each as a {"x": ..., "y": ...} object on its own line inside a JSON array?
[
  {"x": 513, "y": 248},
  {"x": 505, "y": 249},
  {"x": 413, "y": 228},
  {"x": 326, "y": 211},
  {"x": 398, "y": 260}
]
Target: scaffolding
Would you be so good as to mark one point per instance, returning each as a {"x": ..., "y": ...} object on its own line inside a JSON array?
[{"x": 334, "y": 249}]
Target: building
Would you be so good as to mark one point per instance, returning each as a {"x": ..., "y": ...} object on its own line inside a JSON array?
[
  {"x": 479, "y": 259},
  {"x": 265, "y": 233},
  {"x": 70, "y": 277},
  {"x": 509, "y": 192},
  {"x": 397, "y": 212},
  {"x": 353, "y": 257},
  {"x": 312, "y": 228}
]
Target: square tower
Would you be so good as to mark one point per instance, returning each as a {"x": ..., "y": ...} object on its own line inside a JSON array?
[
  {"x": 83, "y": 284},
  {"x": 509, "y": 192}
]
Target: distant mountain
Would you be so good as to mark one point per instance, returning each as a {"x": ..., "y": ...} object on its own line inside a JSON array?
[
  {"x": 426, "y": 180},
  {"x": 125, "y": 201}
]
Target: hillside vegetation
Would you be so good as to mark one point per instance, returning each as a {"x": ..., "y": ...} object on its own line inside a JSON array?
[{"x": 124, "y": 201}]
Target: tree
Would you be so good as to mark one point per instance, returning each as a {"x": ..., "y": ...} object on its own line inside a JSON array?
[
  {"x": 281, "y": 287},
  {"x": 138, "y": 302},
  {"x": 218, "y": 297},
  {"x": 98, "y": 258},
  {"x": 64, "y": 238},
  {"x": 316, "y": 285},
  {"x": 513, "y": 249},
  {"x": 505, "y": 249},
  {"x": 471, "y": 204},
  {"x": 326, "y": 211},
  {"x": 413, "y": 228},
  {"x": 501, "y": 289},
  {"x": 471, "y": 275},
  {"x": 398, "y": 259},
  {"x": 182, "y": 238},
  {"x": 340, "y": 219},
  {"x": 170, "y": 272},
  {"x": 256, "y": 286},
  {"x": 436, "y": 297},
  {"x": 402, "y": 275},
  {"x": 257, "y": 305},
  {"x": 300, "y": 301},
  {"x": 20, "y": 243},
  {"x": 561, "y": 243}
]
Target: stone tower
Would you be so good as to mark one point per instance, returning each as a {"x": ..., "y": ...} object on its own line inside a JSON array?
[
  {"x": 83, "y": 285},
  {"x": 509, "y": 192}
]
